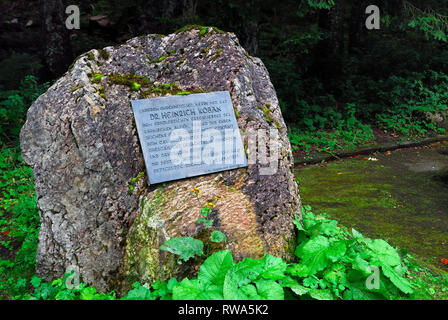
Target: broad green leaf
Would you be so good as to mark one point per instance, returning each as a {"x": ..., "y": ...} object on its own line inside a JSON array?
[
  {"x": 314, "y": 253},
  {"x": 208, "y": 223},
  {"x": 36, "y": 281},
  {"x": 295, "y": 287},
  {"x": 324, "y": 227},
  {"x": 358, "y": 291},
  {"x": 274, "y": 268},
  {"x": 232, "y": 283},
  {"x": 336, "y": 274},
  {"x": 184, "y": 247},
  {"x": 321, "y": 294},
  {"x": 205, "y": 211},
  {"x": 172, "y": 283},
  {"x": 139, "y": 293},
  {"x": 311, "y": 282},
  {"x": 248, "y": 269},
  {"x": 357, "y": 287},
  {"x": 360, "y": 264},
  {"x": 242, "y": 274},
  {"x": 88, "y": 293},
  {"x": 250, "y": 291},
  {"x": 336, "y": 251},
  {"x": 218, "y": 236},
  {"x": 269, "y": 290},
  {"x": 298, "y": 270},
  {"x": 399, "y": 281},
  {"x": 187, "y": 290},
  {"x": 356, "y": 234},
  {"x": 300, "y": 290},
  {"x": 210, "y": 295},
  {"x": 214, "y": 269},
  {"x": 298, "y": 223},
  {"x": 386, "y": 254}
]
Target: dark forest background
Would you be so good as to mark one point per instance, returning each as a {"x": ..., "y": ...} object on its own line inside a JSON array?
[
  {"x": 338, "y": 83},
  {"x": 340, "y": 86}
]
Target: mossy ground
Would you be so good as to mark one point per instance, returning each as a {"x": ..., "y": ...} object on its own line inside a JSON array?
[{"x": 401, "y": 198}]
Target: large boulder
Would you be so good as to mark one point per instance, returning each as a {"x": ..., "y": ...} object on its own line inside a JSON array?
[{"x": 98, "y": 213}]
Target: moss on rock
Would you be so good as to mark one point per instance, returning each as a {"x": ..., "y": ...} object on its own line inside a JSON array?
[{"x": 144, "y": 261}]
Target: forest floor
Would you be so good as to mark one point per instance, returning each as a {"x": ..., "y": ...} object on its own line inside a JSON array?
[
  {"x": 400, "y": 196},
  {"x": 381, "y": 141}
]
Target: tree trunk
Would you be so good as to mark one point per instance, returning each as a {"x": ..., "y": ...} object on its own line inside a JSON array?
[
  {"x": 189, "y": 9},
  {"x": 169, "y": 8},
  {"x": 250, "y": 26},
  {"x": 336, "y": 19},
  {"x": 357, "y": 28},
  {"x": 57, "y": 47},
  {"x": 146, "y": 14}
]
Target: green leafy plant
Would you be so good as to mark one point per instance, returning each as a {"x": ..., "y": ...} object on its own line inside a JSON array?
[
  {"x": 13, "y": 107},
  {"x": 218, "y": 236},
  {"x": 335, "y": 260},
  {"x": 347, "y": 132},
  {"x": 184, "y": 247},
  {"x": 333, "y": 263},
  {"x": 321, "y": 4},
  {"x": 19, "y": 223}
]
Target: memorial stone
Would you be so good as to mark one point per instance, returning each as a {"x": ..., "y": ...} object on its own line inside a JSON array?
[{"x": 100, "y": 216}]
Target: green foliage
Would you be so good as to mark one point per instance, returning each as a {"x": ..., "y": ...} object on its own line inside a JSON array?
[
  {"x": 314, "y": 87},
  {"x": 58, "y": 290},
  {"x": 135, "y": 86},
  {"x": 321, "y": 4},
  {"x": 218, "y": 236},
  {"x": 429, "y": 26},
  {"x": 411, "y": 100},
  {"x": 347, "y": 132},
  {"x": 19, "y": 223},
  {"x": 131, "y": 80},
  {"x": 207, "y": 222},
  {"x": 333, "y": 263},
  {"x": 338, "y": 261},
  {"x": 16, "y": 67},
  {"x": 185, "y": 247},
  {"x": 428, "y": 285},
  {"x": 96, "y": 77},
  {"x": 13, "y": 107},
  {"x": 403, "y": 105},
  {"x": 431, "y": 23},
  {"x": 160, "y": 290},
  {"x": 133, "y": 181}
]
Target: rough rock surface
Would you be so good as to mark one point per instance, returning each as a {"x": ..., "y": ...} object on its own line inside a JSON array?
[
  {"x": 81, "y": 142},
  {"x": 439, "y": 119}
]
